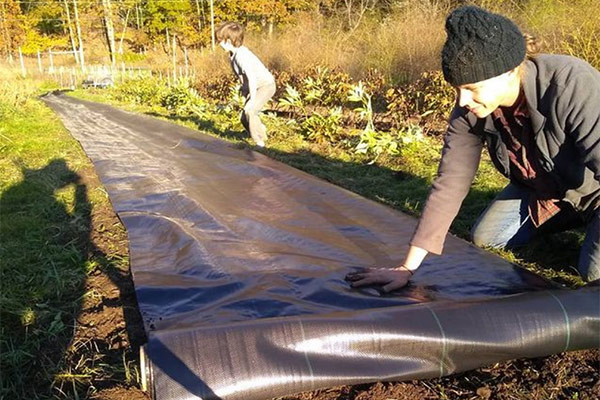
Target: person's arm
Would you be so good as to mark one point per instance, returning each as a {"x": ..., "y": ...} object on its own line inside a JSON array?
[
  {"x": 414, "y": 258},
  {"x": 460, "y": 159}
]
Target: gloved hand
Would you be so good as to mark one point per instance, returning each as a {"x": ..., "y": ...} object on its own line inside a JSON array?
[{"x": 389, "y": 279}]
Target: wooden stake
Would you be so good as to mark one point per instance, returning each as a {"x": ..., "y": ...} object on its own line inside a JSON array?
[
  {"x": 23, "y": 71},
  {"x": 51, "y": 70},
  {"x": 174, "y": 58},
  {"x": 39, "y": 62}
]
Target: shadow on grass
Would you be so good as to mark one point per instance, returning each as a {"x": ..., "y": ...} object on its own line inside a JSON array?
[
  {"x": 48, "y": 256},
  {"x": 204, "y": 125}
]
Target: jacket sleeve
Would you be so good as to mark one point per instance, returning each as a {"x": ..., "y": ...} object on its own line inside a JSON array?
[
  {"x": 460, "y": 159},
  {"x": 579, "y": 103}
]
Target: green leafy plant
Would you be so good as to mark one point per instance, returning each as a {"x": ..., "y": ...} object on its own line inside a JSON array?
[
  {"x": 358, "y": 94},
  {"x": 183, "y": 99},
  {"x": 235, "y": 101},
  {"x": 410, "y": 134},
  {"x": 317, "y": 125},
  {"x": 323, "y": 87},
  {"x": 292, "y": 101},
  {"x": 146, "y": 90},
  {"x": 374, "y": 142},
  {"x": 323, "y": 127},
  {"x": 371, "y": 141}
]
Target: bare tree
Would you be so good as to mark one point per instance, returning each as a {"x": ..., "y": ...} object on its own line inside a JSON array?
[
  {"x": 356, "y": 9},
  {"x": 110, "y": 30},
  {"x": 79, "y": 36},
  {"x": 71, "y": 34},
  {"x": 199, "y": 15},
  {"x": 120, "y": 51},
  {"x": 212, "y": 25}
]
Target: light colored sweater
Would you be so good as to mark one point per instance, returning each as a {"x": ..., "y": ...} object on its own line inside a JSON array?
[{"x": 250, "y": 70}]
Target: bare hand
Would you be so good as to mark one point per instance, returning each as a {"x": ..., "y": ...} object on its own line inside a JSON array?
[{"x": 389, "y": 279}]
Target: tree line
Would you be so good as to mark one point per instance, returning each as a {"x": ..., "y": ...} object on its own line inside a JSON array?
[{"x": 136, "y": 25}]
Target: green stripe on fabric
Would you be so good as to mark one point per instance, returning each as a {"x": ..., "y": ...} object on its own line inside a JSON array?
[
  {"x": 310, "y": 369},
  {"x": 444, "y": 341},
  {"x": 566, "y": 320}
]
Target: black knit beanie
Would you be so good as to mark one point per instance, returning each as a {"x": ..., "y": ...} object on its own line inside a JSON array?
[{"x": 480, "y": 45}]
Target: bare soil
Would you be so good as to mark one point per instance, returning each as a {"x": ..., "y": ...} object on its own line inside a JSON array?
[
  {"x": 109, "y": 321},
  {"x": 572, "y": 375}
]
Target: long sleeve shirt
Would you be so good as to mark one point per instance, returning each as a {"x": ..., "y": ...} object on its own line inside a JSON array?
[{"x": 250, "y": 71}]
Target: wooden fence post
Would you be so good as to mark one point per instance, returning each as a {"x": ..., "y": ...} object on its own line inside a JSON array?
[
  {"x": 51, "y": 70},
  {"x": 39, "y": 57},
  {"x": 23, "y": 70},
  {"x": 187, "y": 67},
  {"x": 174, "y": 58}
]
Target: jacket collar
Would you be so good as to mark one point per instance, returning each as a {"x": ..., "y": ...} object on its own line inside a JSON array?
[{"x": 530, "y": 89}]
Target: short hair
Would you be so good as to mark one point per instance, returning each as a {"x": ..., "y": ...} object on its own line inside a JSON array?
[{"x": 230, "y": 31}]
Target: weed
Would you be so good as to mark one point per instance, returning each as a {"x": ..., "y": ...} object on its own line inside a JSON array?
[{"x": 323, "y": 127}]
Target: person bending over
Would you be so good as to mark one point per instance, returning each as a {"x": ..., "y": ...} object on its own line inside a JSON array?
[
  {"x": 258, "y": 84},
  {"x": 539, "y": 116}
]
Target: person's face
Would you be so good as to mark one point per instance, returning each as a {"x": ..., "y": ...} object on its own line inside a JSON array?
[
  {"x": 226, "y": 45},
  {"x": 482, "y": 98}
]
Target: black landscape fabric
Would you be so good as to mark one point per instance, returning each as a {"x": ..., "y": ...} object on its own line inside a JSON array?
[{"x": 239, "y": 261}]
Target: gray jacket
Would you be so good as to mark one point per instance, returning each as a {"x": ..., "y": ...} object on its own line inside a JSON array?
[
  {"x": 250, "y": 71},
  {"x": 563, "y": 98}
]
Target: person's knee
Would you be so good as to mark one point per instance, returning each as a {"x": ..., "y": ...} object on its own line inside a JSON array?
[
  {"x": 590, "y": 272},
  {"x": 480, "y": 237},
  {"x": 593, "y": 275}
]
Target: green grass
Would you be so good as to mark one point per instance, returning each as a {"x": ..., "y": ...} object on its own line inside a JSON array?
[{"x": 46, "y": 255}]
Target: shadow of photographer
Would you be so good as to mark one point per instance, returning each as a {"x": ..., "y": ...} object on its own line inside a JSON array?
[{"x": 56, "y": 280}]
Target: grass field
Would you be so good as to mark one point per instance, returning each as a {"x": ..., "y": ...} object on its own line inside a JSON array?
[{"x": 64, "y": 255}]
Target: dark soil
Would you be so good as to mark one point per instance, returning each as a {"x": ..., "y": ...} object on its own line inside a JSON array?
[
  {"x": 110, "y": 323},
  {"x": 573, "y": 375}
]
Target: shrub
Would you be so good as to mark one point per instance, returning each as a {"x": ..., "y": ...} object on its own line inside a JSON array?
[
  {"x": 323, "y": 127},
  {"x": 140, "y": 90},
  {"x": 428, "y": 98},
  {"x": 216, "y": 87},
  {"x": 376, "y": 143}
]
